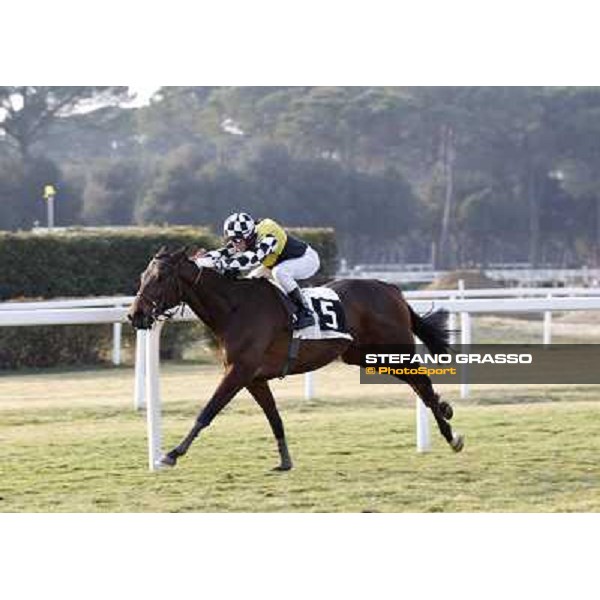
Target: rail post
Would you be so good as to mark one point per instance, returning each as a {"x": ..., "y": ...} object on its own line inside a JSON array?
[
  {"x": 116, "y": 350},
  {"x": 423, "y": 429},
  {"x": 548, "y": 325},
  {"x": 465, "y": 336},
  {"x": 153, "y": 409},
  {"x": 309, "y": 385},
  {"x": 139, "y": 390},
  {"x": 452, "y": 324},
  {"x": 422, "y": 419}
]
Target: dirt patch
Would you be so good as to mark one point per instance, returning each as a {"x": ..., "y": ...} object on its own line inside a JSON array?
[{"x": 589, "y": 317}]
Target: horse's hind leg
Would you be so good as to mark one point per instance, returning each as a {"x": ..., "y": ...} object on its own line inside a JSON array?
[
  {"x": 442, "y": 411},
  {"x": 261, "y": 392}
]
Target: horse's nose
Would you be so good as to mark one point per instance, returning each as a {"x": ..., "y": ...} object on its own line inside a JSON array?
[
  {"x": 140, "y": 321},
  {"x": 131, "y": 313}
]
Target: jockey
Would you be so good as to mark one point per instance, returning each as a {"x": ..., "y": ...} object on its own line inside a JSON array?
[{"x": 265, "y": 245}]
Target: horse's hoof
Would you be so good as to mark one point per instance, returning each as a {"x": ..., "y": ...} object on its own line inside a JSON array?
[
  {"x": 447, "y": 410},
  {"x": 159, "y": 465},
  {"x": 283, "y": 467},
  {"x": 458, "y": 442},
  {"x": 167, "y": 460}
]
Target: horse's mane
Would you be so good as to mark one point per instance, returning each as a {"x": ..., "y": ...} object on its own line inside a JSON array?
[{"x": 238, "y": 281}]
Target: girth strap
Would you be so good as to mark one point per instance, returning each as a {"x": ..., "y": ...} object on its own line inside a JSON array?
[{"x": 293, "y": 350}]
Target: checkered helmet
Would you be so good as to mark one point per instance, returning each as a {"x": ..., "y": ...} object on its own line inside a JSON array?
[{"x": 238, "y": 226}]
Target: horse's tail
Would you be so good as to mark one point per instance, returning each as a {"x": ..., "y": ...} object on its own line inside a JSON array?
[{"x": 432, "y": 329}]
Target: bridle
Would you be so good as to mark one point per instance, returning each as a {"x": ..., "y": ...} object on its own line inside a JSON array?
[{"x": 174, "y": 280}]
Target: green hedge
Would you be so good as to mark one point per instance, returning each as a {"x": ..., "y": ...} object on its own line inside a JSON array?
[
  {"x": 322, "y": 239},
  {"x": 98, "y": 262},
  {"x": 54, "y": 345},
  {"x": 87, "y": 262},
  {"x": 80, "y": 263},
  {"x": 50, "y": 346},
  {"x": 106, "y": 262}
]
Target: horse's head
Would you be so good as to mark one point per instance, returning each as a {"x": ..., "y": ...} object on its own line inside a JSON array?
[{"x": 160, "y": 288}]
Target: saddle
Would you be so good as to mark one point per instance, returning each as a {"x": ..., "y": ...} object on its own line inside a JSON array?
[{"x": 330, "y": 318}]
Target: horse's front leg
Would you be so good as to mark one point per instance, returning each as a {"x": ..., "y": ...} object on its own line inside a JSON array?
[{"x": 236, "y": 377}]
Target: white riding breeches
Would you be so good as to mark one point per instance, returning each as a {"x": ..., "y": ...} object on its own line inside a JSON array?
[{"x": 287, "y": 272}]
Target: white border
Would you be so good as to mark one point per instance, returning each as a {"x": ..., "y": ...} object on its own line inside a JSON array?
[
  {"x": 300, "y": 556},
  {"x": 316, "y": 42},
  {"x": 297, "y": 556}
]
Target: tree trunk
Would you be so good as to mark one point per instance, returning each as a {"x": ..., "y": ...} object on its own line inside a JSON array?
[
  {"x": 447, "y": 156},
  {"x": 483, "y": 256},
  {"x": 597, "y": 257},
  {"x": 23, "y": 145},
  {"x": 534, "y": 221}
]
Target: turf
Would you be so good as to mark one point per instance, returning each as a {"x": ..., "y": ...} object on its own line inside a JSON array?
[{"x": 71, "y": 442}]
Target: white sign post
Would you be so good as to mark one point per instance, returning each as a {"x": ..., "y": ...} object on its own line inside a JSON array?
[{"x": 49, "y": 194}]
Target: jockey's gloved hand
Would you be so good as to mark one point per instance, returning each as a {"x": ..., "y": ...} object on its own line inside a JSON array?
[
  {"x": 223, "y": 267},
  {"x": 220, "y": 266}
]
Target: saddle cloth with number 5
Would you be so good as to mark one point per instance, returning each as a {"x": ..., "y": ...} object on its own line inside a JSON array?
[{"x": 329, "y": 316}]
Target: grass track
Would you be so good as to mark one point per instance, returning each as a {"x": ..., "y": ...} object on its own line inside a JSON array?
[{"x": 71, "y": 442}]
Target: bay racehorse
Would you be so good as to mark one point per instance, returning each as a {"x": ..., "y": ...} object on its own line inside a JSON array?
[{"x": 249, "y": 319}]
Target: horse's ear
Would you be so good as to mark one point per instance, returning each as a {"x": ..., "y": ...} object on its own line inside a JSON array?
[
  {"x": 163, "y": 250},
  {"x": 181, "y": 254},
  {"x": 190, "y": 250}
]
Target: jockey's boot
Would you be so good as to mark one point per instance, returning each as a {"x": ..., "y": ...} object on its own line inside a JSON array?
[{"x": 304, "y": 316}]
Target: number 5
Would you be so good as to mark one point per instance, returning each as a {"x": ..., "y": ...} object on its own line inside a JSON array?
[{"x": 327, "y": 310}]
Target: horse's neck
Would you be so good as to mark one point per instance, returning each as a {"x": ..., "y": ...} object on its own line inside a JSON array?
[{"x": 210, "y": 297}]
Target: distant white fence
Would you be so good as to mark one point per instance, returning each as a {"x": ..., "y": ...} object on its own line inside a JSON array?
[
  {"x": 423, "y": 273},
  {"x": 112, "y": 302},
  {"x": 147, "y": 382},
  {"x": 516, "y": 292},
  {"x": 97, "y": 302}
]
